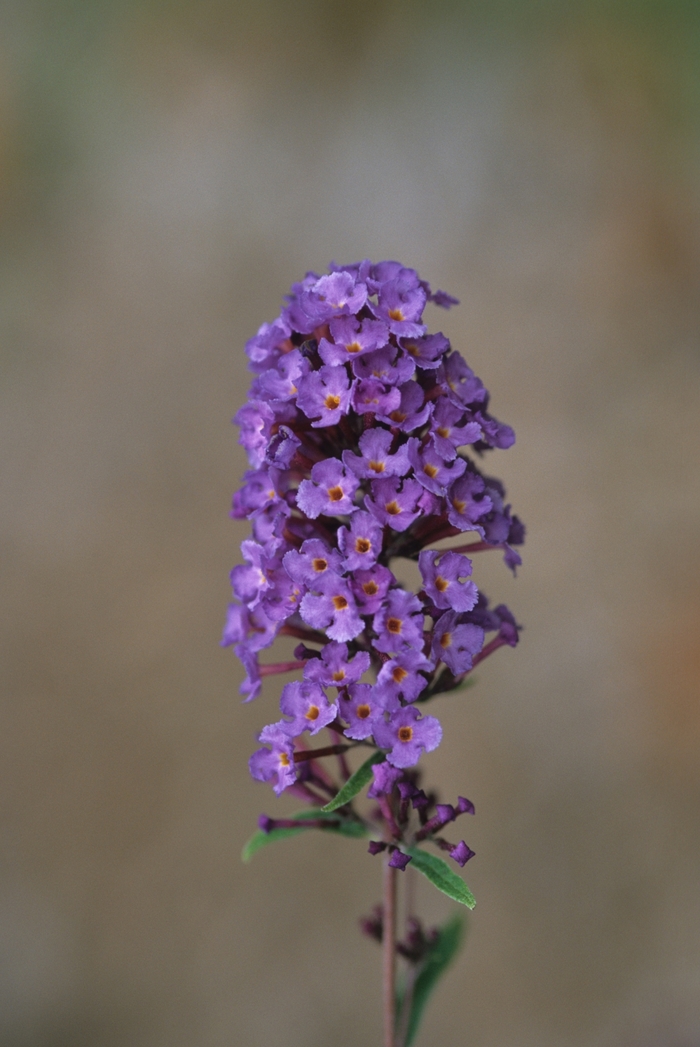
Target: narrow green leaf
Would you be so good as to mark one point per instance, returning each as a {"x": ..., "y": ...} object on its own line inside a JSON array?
[
  {"x": 336, "y": 824},
  {"x": 355, "y": 783},
  {"x": 434, "y": 966},
  {"x": 440, "y": 874}
]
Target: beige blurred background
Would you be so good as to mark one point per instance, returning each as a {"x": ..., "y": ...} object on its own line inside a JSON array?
[{"x": 166, "y": 170}]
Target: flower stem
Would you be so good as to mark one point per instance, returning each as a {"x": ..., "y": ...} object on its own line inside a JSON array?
[{"x": 389, "y": 953}]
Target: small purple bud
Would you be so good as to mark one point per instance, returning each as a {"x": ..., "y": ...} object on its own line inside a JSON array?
[
  {"x": 407, "y": 790},
  {"x": 376, "y": 847},
  {"x": 399, "y": 860},
  {"x": 465, "y": 806},
  {"x": 265, "y": 823},
  {"x": 461, "y": 853},
  {"x": 420, "y": 801},
  {"x": 302, "y": 653}
]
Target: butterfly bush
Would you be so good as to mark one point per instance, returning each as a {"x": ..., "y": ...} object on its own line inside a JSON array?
[{"x": 363, "y": 433}]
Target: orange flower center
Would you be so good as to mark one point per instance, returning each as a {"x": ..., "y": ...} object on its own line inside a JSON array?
[
  {"x": 441, "y": 583},
  {"x": 363, "y": 711},
  {"x": 399, "y": 674},
  {"x": 354, "y": 347},
  {"x": 377, "y": 467},
  {"x": 340, "y": 603},
  {"x": 393, "y": 508},
  {"x": 339, "y": 675},
  {"x": 332, "y": 401},
  {"x": 335, "y": 493},
  {"x": 370, "y": 588},
  {"x": 284, "y": 760},
  {"x": 363, "y": 545},
  {"x": 405, "y": 734},
  {"x": 446, "y": 640},
  {"x": 312, "y": 712},
  {"x": 319, "y": 564},
  {"x": 393, "y": 625},
  {"x": 396, "y": 314},
  {"x": 430, "y": 470}
]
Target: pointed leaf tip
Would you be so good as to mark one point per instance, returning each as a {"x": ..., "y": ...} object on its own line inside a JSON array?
[{"x": 442, "y": 877}]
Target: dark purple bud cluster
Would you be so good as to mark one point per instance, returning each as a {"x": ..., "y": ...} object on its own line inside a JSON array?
[{"x": 357, "y": 429}]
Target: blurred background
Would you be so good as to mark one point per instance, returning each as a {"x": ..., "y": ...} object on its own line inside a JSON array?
[{"x": 167, "y": 168}]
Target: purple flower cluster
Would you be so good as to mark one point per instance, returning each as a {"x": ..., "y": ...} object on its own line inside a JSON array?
[{"x": 355, "y": 431}]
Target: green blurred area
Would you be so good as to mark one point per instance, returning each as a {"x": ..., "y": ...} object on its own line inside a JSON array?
[{"x": 64, "y": 63}]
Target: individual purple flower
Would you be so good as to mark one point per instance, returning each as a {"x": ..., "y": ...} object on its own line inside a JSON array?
[
  {"x": 335, "y": 668},
  {"x": 394, "y": 503},
  {"x": 251, "y": 581},
  {"x": 385, "y": 777},
  {"x": 333, "y": 610},
  {"x": 430, "y": 470},
  {"x": 313, "y": 563},
  {"x": 399, "y": 623},
  {"x": 329, "y": 491},
  {"x": 251, "y": 627},
  {"x": 308, "y": 707},
  {"x": 235, "y": 628},
  {"x": 467, "y": 502},
  {"x": 448, "y": 433},
  {"x": 455, "y": 643},
  {"x": 407, "y": 735},
  {"x": 325, "y": 395},
  {"x": 441, "y": 580},
  {"x": 371, "y": 396},
  {"x": 361, "y": 542},
  {"x": 282, "y": 596},
  {"x": 411, "y": 413},
  {"x": 463, "y": 387},
  {"x": 282, "y": 448},
  {"x": 426, "y": 351},
  {"x": 317, "y": 299},
  {"x": 508, "y": 628},
  {"x": 263, "y": 349},
  {"x": 252, "y": 684},
  {"x": 401, "y": 676},
  {"x": 280, "y": 383},
  {"x": 262, "y": 490},
  {"x": 255, "y": 420},
  {"x": 400, "y": 304},
  {"x": 494, "y": 433},
  {"x": 276, "y": 764},
  {"x": 375, "y": 459},
  {"x": 383, "y": 272},
  {"x": 370, "y": 586},
  {"x": 351, "y": 339},
  {"x": 386, "y": 365},
  {"x": 362, "y": 707}
]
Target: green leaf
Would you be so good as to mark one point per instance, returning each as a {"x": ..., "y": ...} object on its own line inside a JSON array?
[
  {"x": 355, "y": 783},
  {"x": 336, "y": 824},
  {"x": 434, "y": 966},
  {"x": 440, "y": 874}
]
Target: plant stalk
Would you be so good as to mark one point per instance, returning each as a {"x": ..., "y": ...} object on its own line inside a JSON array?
[{"x": 389, "y": 953}]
